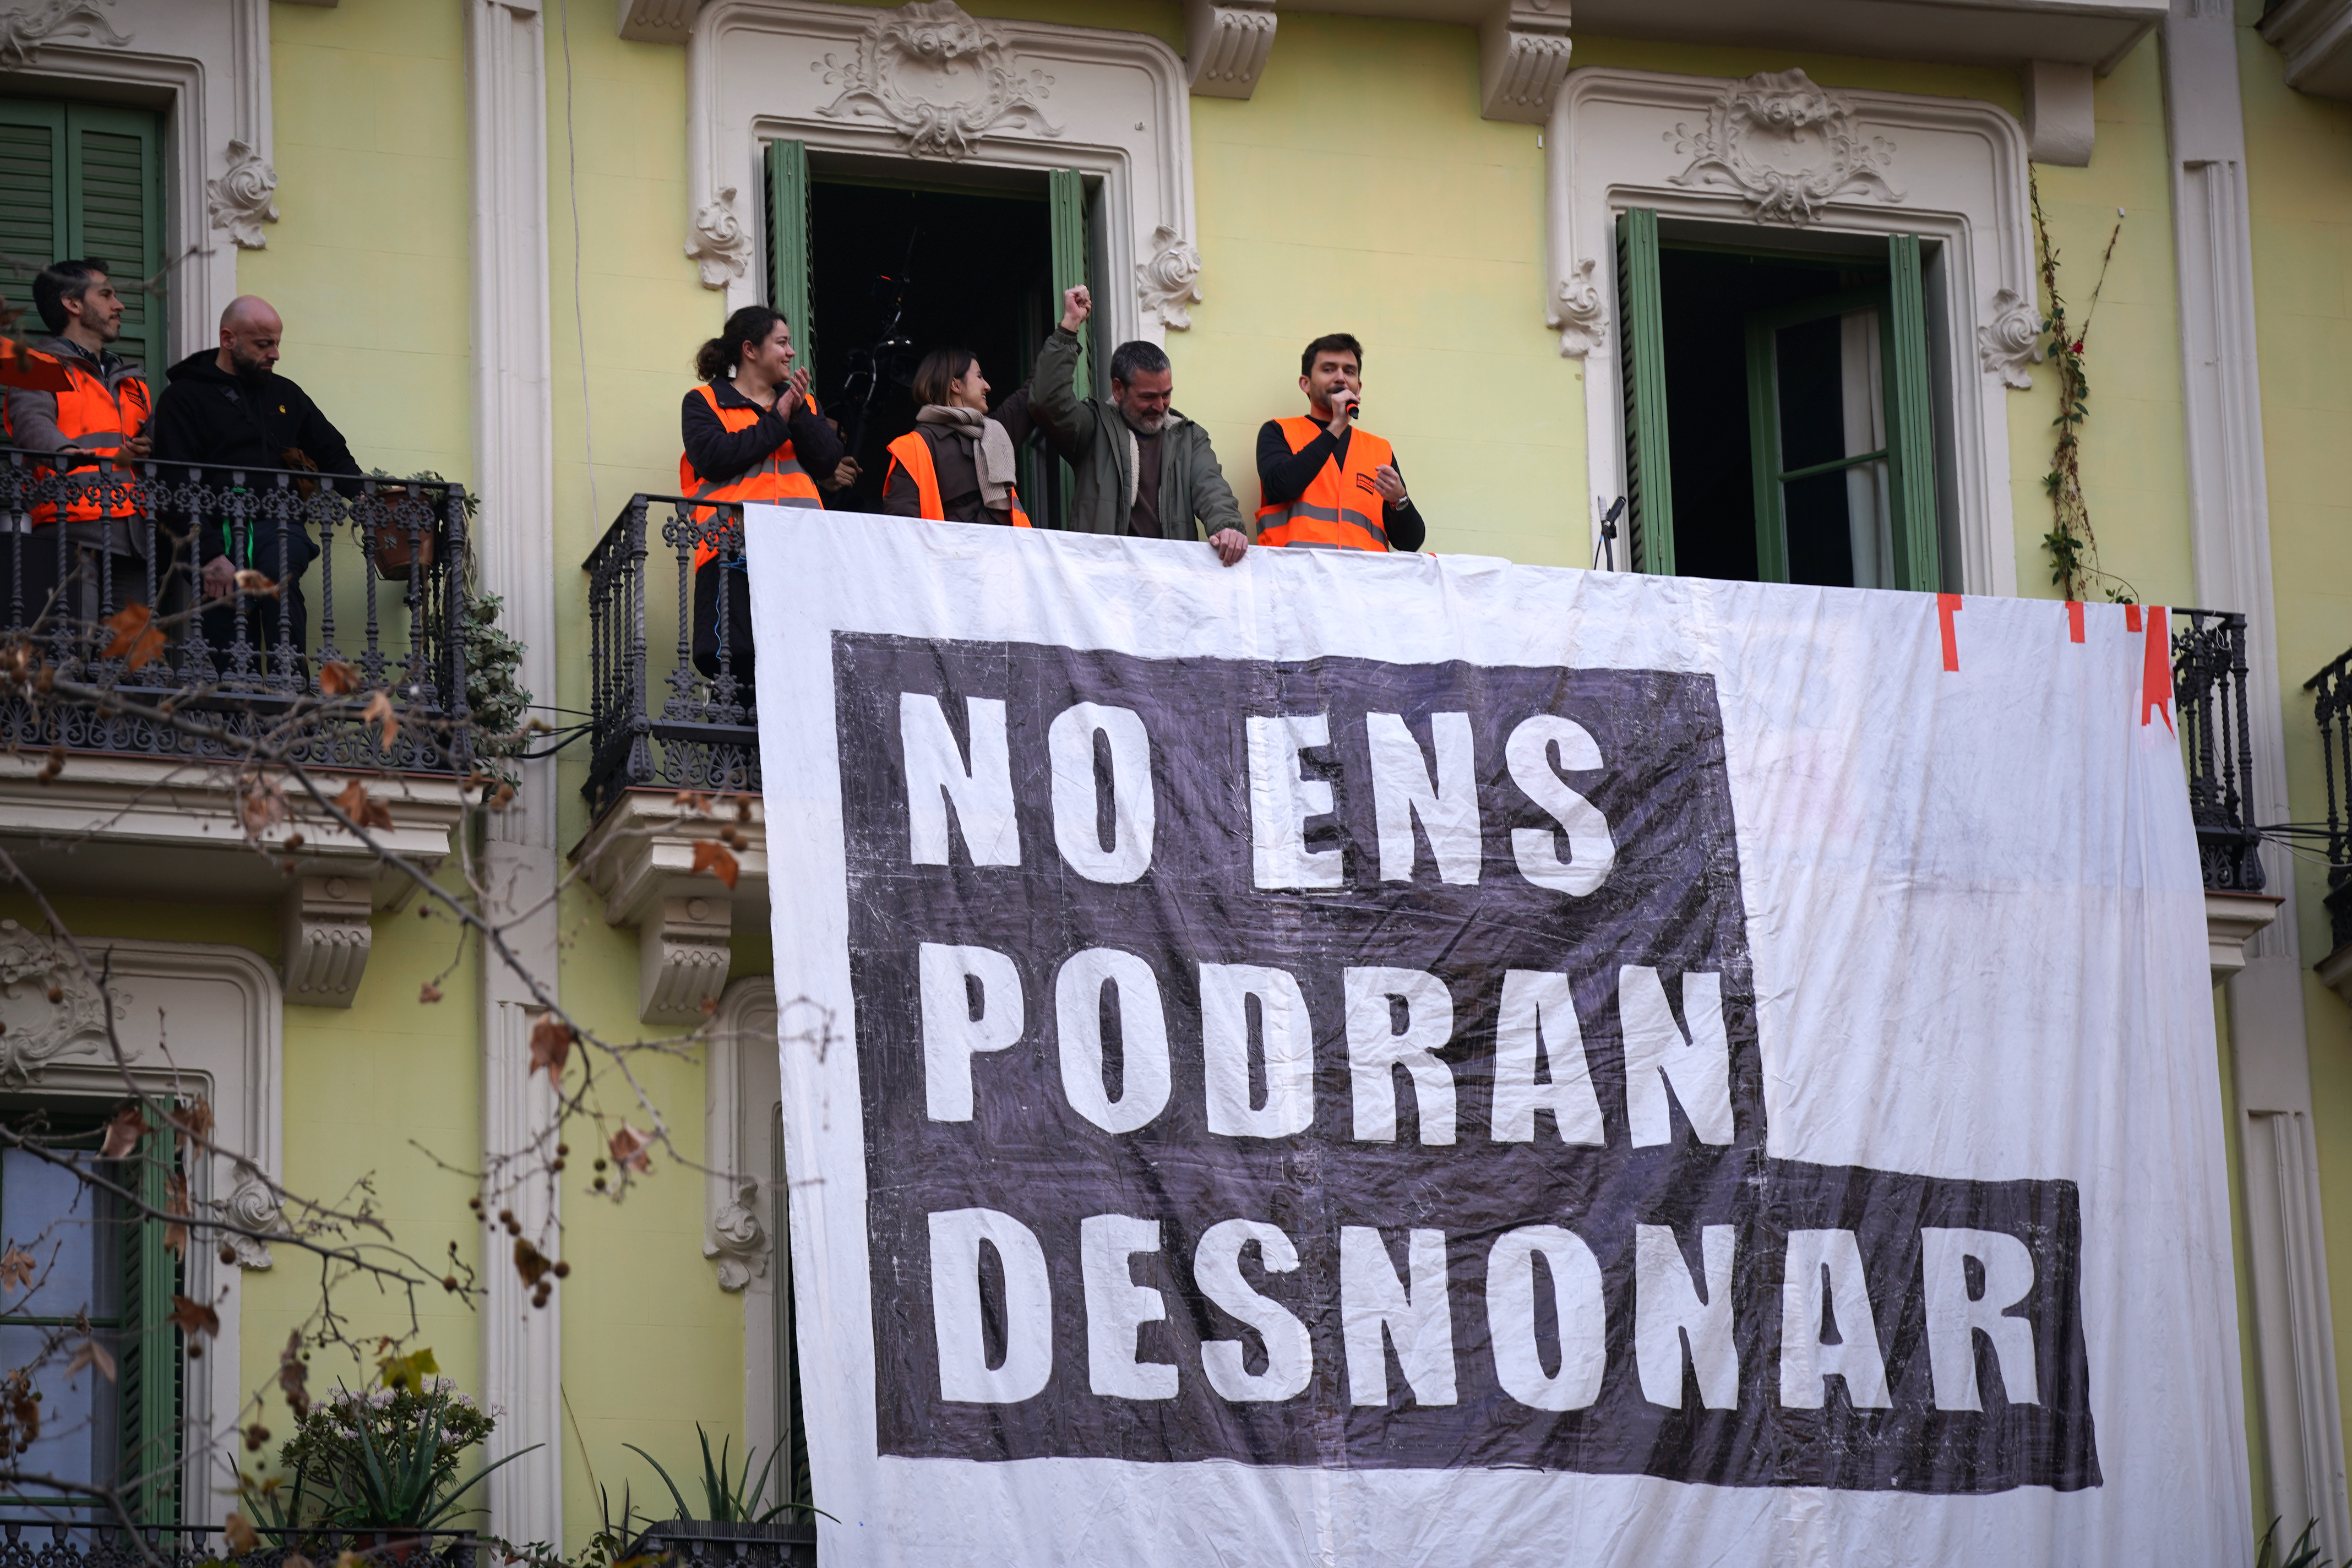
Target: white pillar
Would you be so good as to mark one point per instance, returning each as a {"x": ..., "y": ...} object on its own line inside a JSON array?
[
  {"x": 2230, "y": 534},
  {"x": 514, "y": 476}
]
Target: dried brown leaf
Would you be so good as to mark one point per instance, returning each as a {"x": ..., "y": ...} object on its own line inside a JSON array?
[
  {"x": 715, "y": 859},
  {"x": 18, "y": 1267},
  {"x": 175, "y": 1204},
  {"x": 628, "y": 1147},
  {"x": 194, "y": 1317},
  {"x": 529, "y": 1262},
  {"x": 428, "y": 992},
  {"x": 379, "y": 711},
  {"x": 260, "y": 805},
  {"x": 238, "y": 1532},
  {"x": 135, "y": 635},
  {"x": 551, "y": 1045},
  {"x": 194, "y": 1121},
  {"x": 90, "y": 1352},
  {"x": 251, "y": 582},
  {"x": 364, "y": 809},
  {"x": 337, "y": 678},
  {"x": 294, "y": 1376},
  {"x": 122, "y": 1133}
]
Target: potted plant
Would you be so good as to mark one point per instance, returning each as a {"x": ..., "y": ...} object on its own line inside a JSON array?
[
  {"x": 733, "y": 1527},
  {"x": 384, "y": 1461}
]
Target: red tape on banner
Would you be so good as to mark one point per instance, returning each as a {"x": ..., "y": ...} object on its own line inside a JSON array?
[
  {"x": 2131, "y": 618},
  {"x": 2074, "y": 620},
  {"x": 1946, "y": 606},
  {"x": 2156, "y": 670}
]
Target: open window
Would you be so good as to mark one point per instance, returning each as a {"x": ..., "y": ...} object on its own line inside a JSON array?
[
  {"x": 875, "y": 262},
  {"x": 1779, "y": 425}
]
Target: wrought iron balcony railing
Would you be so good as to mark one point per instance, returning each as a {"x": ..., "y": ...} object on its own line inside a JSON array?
[
  {"x": 119, "y": 577},
  {"x": 706, "y": 735},
  {"x": 2209, "y": 692},
  {"x": 2331, "y": 690},
  {"x": 691, "y": 642},
  {"x": 106, "y": 1545}
]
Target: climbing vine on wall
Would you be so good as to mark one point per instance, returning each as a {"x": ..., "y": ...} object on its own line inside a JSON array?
[{"x": 2073, "y": 547}]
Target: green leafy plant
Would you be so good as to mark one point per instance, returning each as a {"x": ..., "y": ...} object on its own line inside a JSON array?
[
  {"x": 2073, "y": 547},
  {"x": 387, "y": 1456},
  {"x": 500, "y": 708},
  {"x": 728, "y": 1497},
  {"x": 2302, "y": 1554}
]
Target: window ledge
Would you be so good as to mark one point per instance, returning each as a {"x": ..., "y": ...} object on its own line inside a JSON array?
[{"x": 2230, "y": 922}]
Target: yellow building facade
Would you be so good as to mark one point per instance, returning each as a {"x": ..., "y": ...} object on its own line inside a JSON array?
[{"x": 497, "y": 231}]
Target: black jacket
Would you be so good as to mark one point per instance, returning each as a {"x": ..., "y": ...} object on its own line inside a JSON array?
[
  {"x": 720, "y": 454},
  {"x": 207, "y": 415}
]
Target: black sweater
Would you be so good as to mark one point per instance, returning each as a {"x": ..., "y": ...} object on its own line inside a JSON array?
[
  {"x": 720, "y": 454},
  {"x": 1283, "y": 474},
  {"x": 207, "y": 415}
]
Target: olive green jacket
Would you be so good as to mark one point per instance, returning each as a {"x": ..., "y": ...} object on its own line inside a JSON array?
[{"x": 1092, "y": 433}]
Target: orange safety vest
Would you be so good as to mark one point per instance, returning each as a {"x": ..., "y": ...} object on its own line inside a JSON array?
[
  {"x": 912, "y": 453},
  {"x": 1338, "y": 511},
  {"x": 98, "y": 422},
  {"x": 777, "y": 478}
]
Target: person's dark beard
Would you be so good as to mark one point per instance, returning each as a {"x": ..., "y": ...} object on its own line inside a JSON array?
[{"x": 253, "y": 374}]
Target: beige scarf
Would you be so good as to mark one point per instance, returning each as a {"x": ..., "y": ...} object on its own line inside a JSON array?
[{"x": 992, "y": 448}]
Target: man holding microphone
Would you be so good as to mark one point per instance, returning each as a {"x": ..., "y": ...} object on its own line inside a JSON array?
[{"x": 1324, "y": 483}]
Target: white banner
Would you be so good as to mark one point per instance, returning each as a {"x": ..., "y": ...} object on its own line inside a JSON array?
[{"x": 1403, "y": 1060}]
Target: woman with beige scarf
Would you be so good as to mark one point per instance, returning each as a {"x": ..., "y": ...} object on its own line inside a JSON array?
[{"x": 957, "y": 464}]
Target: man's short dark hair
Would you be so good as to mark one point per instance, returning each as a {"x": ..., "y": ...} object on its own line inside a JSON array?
[
  {"x": 62, "y": 280},
  {"x": 1329, "y": 342},
  {"x": 1136, "y": 358}
]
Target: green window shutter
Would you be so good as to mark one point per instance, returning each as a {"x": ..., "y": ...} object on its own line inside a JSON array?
[
  {"x": 1910, "y": 430},
  {"x": 788, "y": 243},
  {"x": 1642, "y": 355},
  {"x": 32, "y": 195},
  {"x": 1766, "y": 457},
  {"x": 148, "y": 1369},
  {"x": 1066, "y": 192},
  {"x": 114, "y": 198}
]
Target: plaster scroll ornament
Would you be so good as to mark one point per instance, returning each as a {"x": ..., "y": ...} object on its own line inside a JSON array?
[
  {"x": 1170, "y": 281},
  {"x": 48, "y": 1006},
  {"x": 24, "y": 29},
  {"x": 1785, "y": 145},
  {"x": 240, "y": 201},
  {"x": 738, "y": 1241},
  {"x": 1581, "y": 313},
  {"x": 941, "y": 79},
  {"x": 2010, "y": 340},
  {"x": 720, "y": 247},
  {"x": 253, "y": 1204}
]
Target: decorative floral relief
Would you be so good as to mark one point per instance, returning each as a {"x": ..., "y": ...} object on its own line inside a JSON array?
[
  {"x": 1786, "y": 145},
  {"x": 738, "y": 1241},
  {"x": 1170, "y": 280},
  {"x": 49, "y": 1006},
  {"x": 942, "y": 80},
  {"x": 253, "y": 1204},
  {"x": 24, "y": 29},
  {"x": 1581, "y": 312},
  {"x": 720, "y": 247},
  {"x": 240, "y": 200},
  {"x": 2010, "y": 340}
]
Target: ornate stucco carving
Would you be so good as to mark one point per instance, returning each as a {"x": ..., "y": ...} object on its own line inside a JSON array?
[
  {"x": 720, "y": 247},
  {"x": 1790, "y": 147},
  {"x": 242, "y": 199},
  {"x": 1170, "y": 280},
  {"x": 253, "y": 1203},
  {"x": 1580, "y": 311},
  {"x": 659, "y": 21},
  {"x": 1226, "y": 43},
  {"x": 939, "y": 78},
  {"x": 24, "y": 29},
  {"x": 2010, "y": 339},
  {"x": 736, "y": 1239},
  {"x": 682, "y": 957},
  {"x": 48, "y": 1005}
]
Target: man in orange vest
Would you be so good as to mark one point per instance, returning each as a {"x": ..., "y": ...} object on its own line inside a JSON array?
[
  {"x": 1323, "y": 482},
  {"x": 105, "y": 415}
]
